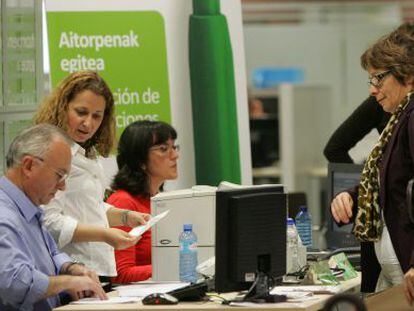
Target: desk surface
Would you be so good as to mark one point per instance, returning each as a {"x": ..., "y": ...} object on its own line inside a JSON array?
[{"x": 313, "y": 305}]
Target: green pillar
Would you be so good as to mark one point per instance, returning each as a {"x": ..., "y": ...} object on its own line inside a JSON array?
[{"x": 213, "y": 95}]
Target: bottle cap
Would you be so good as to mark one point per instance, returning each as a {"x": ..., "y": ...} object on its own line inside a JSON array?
[
  {"x": 188, "y": 227},
  {"x": 303, "y": 208},
  {"x": 290, "y": 221}
]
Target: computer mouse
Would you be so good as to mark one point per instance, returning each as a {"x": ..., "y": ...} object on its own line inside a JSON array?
[{"x": 159, "y": 299}]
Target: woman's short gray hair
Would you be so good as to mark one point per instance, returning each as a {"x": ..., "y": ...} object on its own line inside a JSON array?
[{"x": 35, "y": 140}]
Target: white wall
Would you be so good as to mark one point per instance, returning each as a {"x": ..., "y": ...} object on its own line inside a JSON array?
[{"x": 329, "y": 55}]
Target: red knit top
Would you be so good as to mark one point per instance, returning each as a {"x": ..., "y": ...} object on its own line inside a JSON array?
[{"x": 134, "y": 263}]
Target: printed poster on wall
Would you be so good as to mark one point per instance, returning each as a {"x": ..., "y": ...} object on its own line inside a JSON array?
[{"x": 127, "y": 48}]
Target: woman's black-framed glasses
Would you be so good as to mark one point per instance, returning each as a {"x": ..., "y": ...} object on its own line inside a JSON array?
[
  {"x": 61, "y": 176},
  {"x": 377, "y": 79}
]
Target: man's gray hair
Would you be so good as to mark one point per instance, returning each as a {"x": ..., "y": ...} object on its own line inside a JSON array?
[{"x": 36, "y": 141}]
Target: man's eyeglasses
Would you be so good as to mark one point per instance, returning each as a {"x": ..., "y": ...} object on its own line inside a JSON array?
[
  {"x": 377, "y": 79},
  {"x": 61, "y": 176},
  {"x": 164, "y": 148}
]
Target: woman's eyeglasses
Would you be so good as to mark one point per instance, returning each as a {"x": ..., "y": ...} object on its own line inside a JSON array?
[
  {"x": 377, "y": 79},
  {"x": 165, "y": 148}
]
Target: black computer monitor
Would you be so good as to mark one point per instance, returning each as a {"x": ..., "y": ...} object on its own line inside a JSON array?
[
  {"x": 264, "y": 140},
  {"x": 250, "y": 236},
  {"x": 341, "y": 176}
]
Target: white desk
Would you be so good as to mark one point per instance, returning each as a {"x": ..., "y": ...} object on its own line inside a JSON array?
[{"x": 314, "y": 305}]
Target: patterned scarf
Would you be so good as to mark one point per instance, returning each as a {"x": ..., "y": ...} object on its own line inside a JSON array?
[{"x": 368, "y": 222}]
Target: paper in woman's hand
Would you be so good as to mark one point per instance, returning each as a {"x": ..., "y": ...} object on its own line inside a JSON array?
[{"x": 137, "y": 231}]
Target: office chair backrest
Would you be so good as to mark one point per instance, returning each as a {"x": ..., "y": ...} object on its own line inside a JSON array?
[{"x": 338, "y": 301}]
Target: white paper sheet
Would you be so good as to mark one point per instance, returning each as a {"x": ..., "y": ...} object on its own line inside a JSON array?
[
  {"x": 316, "y": 289},
  {"x": 137, "y": 231},
  {"x": 261, "y": 306},
  {"x": 111, "y": 300},
  {"x": 144, "y": 289}
]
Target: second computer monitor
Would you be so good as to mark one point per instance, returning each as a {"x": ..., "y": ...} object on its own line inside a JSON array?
[
  {"x": 250, "y": 236},
  {"x": 341, "y": 176}
]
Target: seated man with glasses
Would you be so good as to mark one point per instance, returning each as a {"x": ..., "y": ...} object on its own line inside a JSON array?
[{"x": 32, "y": 270}]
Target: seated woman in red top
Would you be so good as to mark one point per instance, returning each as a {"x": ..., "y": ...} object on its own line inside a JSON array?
[{"x": 147, "y": 157}]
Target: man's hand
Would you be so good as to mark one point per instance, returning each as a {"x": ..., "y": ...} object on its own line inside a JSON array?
[
  {"x": 409, "y": 286},
  {"x": 341, "y": 207},
  {"x": 119, "y": 239},
  {"x": 81, "y": 270},
  {"x": 77, "y": 286},
  {"x": 83, "y": 286}
]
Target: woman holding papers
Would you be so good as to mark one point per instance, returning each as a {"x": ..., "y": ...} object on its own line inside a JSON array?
[
  {"x": 78, "y": 218},
  {"x": 147, "y": 157}
]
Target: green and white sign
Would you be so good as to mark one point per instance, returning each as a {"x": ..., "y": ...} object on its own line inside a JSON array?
[{"x": 127, "y": 48}]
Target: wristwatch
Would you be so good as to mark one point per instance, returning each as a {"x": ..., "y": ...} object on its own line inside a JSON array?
[
  {"x": 74, "y": 262},
  {"x": 124, "y": 217}
]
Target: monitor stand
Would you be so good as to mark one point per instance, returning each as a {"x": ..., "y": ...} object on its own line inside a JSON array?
[{"x": 259, "y": 291}]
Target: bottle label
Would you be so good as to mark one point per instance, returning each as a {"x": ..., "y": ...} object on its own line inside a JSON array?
[
  {"x": 188, "y": 247},
  {"x": 192, "y": 247}
]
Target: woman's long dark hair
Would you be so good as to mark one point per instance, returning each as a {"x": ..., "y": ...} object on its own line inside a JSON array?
[{"x": 133, "y": 152}]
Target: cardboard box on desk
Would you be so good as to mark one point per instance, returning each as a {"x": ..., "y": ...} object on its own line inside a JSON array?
[{"x": 390, "y": 299}]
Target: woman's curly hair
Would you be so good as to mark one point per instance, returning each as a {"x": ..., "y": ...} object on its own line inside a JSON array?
[
  {"x": 54, "y": 109},
  {"x": 133, "y": 153},
  {"x": 394, "y": 52}
]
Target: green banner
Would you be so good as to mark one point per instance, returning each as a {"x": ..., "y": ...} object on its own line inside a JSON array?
[{"x": 127, "y": 48}]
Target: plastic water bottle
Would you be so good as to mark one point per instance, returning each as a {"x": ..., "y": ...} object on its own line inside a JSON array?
[
  {"x": 304, "y": 226},
  {"x": 188, "y": 254},
  {"x": 292, "y": 246}
]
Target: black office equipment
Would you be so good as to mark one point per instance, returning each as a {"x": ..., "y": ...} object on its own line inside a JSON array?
[
  {"x": 250, "y": 239},
  {"x": 341, "y": 176},
  {"x": 264, "y": 140},
  {"x": 192, "y": 292}
]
